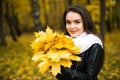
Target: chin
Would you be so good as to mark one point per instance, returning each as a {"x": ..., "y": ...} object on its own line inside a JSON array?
[{"x": 74, "y": 35}]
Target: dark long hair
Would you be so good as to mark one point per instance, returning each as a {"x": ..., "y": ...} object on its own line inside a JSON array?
[{"x": 87, "y": 20}]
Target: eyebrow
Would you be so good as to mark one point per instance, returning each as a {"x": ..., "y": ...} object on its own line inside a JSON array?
[
  {"x": 77, "y": 19},
  {"x": 74, "y": 20}
]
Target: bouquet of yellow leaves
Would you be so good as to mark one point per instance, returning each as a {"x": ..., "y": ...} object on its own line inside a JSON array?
[{"x": 52, "y": 49}]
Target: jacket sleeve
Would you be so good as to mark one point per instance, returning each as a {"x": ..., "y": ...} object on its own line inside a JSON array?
[{"x": 94, "y": 63}]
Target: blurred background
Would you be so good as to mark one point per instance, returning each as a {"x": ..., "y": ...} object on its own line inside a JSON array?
[{"x": 19, "y": 19}]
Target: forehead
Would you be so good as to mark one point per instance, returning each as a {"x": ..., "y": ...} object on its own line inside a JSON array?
[{"x": 73, "y": 15}]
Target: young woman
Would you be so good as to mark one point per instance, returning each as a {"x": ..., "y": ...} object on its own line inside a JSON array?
[{"x": 80, "y": 27}]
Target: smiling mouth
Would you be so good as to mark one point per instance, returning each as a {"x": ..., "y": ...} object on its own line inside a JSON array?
[{"x": 73, "y": 31}]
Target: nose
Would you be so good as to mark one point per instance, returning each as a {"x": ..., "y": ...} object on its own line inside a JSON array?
[{"x": 72, "y": 25}]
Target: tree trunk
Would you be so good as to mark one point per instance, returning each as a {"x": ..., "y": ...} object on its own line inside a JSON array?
[
  {"x": 69, "y": 2},
  {"x": 36, "y": 15},
  {"x": 88, "y": 2},
  {"x": 15, "y": 22},
  {"x": 16, "y": 26},
  {"x": 102, "y": 18},
  {"x": 2, "y": 35},
  {"x": 9, "y": 19},
  {"x": 118, "y": 13}
]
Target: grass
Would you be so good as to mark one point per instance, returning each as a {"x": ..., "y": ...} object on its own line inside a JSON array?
[
  {"x": 16, "y": 63},
  {"x": 111, "y": 69}
]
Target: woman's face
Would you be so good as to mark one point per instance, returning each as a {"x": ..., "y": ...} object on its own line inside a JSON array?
[{"x": 74, "y": 24}]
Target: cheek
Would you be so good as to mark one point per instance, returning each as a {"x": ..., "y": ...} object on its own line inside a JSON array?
[
  {"x": 80, "y": 27},
  {"x": 67, "y": 28}
]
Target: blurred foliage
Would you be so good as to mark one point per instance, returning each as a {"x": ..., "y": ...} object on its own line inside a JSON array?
[
  {"x": 51, "y": 12},
  {"x": 111, "y": 69},
  {"x": 16, "y": 60},
  {"x": 23, "y": 11}
]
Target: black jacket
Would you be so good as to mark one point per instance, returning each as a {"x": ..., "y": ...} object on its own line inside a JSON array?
[{"x": 88, "y": 68}]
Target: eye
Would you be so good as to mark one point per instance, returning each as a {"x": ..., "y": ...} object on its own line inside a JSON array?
[
  {"x": 68, "y": 22},
  {"x": 77, "y": 21}
]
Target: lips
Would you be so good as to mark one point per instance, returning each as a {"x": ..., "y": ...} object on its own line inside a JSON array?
[{"x": 73, "y": 31}]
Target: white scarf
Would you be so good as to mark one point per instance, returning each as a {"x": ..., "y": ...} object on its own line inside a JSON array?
[{"x": 85, "y": 41}]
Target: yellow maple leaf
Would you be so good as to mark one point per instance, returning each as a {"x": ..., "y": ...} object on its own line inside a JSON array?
[
  {"x": 57, "y": 55},
  {"x": 38, "y": 57},
  {"x": 55, "y": 68},
  {"x": 52, "y": 49},
  {"x": 66, "y": 63},
  {"x": 44, "y": 66}
]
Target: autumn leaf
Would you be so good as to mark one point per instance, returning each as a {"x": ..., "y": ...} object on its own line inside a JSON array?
[
  {"x": 52, "y": 49},
  {"x": 44, "y": 65}
]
